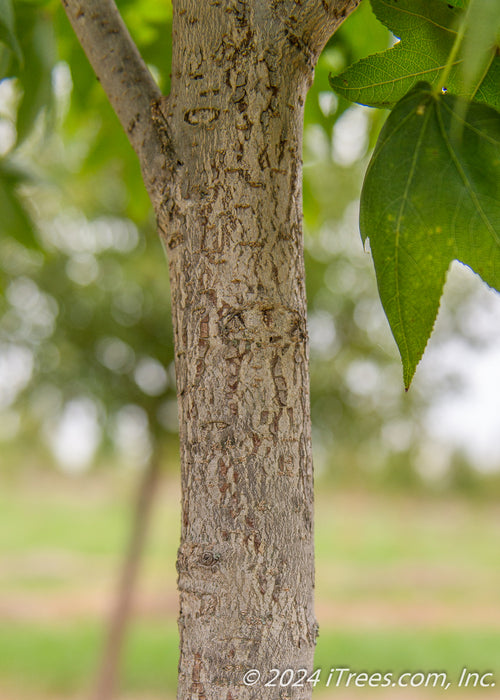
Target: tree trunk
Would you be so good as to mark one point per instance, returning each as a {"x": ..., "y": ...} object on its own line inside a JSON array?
[
  {"x": 232, "y": 226},
  {"x": 221, "y": 158},
  {"x": 108, "y": 674}
]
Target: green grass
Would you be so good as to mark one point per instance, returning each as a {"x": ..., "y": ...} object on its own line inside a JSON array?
[
  {"x": 59, "y": 659},
  {"x": 400, "y": 651},
  {"x": 63, "y": 659}
]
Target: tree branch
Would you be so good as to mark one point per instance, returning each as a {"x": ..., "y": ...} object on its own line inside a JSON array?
[
  {"x": 312, "y": 22},
  {"x": 118, "y": 65}
]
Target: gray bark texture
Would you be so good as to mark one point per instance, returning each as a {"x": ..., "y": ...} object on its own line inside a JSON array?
[{"x": 221, "y": 158}]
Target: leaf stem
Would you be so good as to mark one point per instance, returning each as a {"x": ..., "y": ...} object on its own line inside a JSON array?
[{"x": 453, "y": 54}]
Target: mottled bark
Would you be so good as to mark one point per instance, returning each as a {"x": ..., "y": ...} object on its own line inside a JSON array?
[
  {"x": 232, "y": 226},
  {"x": 226, "y": 186}
]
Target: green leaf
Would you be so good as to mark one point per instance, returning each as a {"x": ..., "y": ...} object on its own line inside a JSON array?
[
  {"x": 431, "y": 195},
  {"x": 38, "y": 44},
  {"x": 16, "y": 221},
  {"x": 457, "y": 3},
  {"x": 7, "y": 32},
  {"x": 427, "y": 29}
]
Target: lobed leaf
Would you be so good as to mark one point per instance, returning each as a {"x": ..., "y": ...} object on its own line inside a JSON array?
[{"x": 431, "y": 195}]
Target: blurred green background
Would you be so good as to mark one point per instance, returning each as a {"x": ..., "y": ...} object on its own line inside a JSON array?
[{"x": 408, "y": 520}]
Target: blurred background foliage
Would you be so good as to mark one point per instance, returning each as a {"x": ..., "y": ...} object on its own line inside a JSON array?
[
  {"x": 87, "y": 392},
  {"x": 86, "y": 355}
]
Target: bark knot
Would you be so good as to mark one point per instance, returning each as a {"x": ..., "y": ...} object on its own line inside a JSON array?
[{"x": 210, "y": 559}]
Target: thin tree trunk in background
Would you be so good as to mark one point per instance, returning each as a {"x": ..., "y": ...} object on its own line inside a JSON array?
[{"x": 108, "y": 676}]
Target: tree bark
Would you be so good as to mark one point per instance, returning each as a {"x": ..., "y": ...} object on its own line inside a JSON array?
[
  {"x": 232, "y": 226},
  {"x": 222, "y": 164}
]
